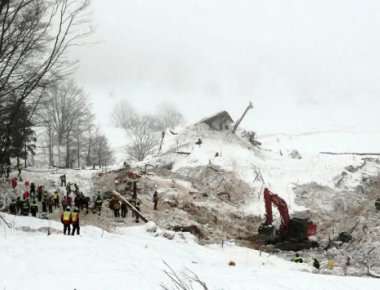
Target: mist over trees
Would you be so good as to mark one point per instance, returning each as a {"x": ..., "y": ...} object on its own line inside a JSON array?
[
  {"x": 35, "y": 36},
  {"x": 144, "y": 131}
]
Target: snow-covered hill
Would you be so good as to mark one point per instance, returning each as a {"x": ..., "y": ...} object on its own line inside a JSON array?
[
  {"x": 273, "y": 161},
  {"x": 133, "y": 259}
]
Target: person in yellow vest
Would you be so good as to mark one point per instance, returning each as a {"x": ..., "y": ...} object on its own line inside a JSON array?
[
  {"x": 297, "y": 259},
  {"x": 66, "y": 220},
  {"x": 75, "y": 221},
  {"x": 330, "y": 264}
]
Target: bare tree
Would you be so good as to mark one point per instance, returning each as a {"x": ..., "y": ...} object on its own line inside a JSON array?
[
  {"x": 102, "y": 154},
  {"x": 34, "y": 36},
  {"x": 169, "y": 116},
  {"x": 141, "y": 130},
  {"x": 66, "y": 115}
]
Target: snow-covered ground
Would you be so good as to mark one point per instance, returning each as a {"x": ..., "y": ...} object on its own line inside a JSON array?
[
  {"x": 280, "y": 172},
  {"x": 134, "y": 259}
]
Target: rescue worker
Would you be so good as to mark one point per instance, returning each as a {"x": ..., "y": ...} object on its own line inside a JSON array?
[
  {"x": 297, "y": 259},
  {"x": 34, "y": 208},
  {"x": 86, "y": 203},
  {"x": 98, "y": 204},
  {"x": 32, "y": 190},
  {"x": 330, "y": 264},
  {"x": 14, "y": 183},
  {"x": 316, "y": 264},
  {"x": 19, "y": 171},
  {"x": 26, "y": 195},
  {"x": 18, "y": 205},
  {"x": 25, "y": 207},
  {"x": 117, "y": 208},
  {"x": 40, "y": 191},
  {"x": 346, "y": 265},
  {"x": 155, "y": 200},
  {"x": 124, "y": 209},
  {"x": 56, "y": 199},
  {"x": 13, "y": 207},
  {"x": 66, "y": 220},
  {"x": 50, "y": 203},
  {"x": 68, "y": 188},
  {"x": 44, "y": 204},
  {"x": 138, "y": 208},
  {"x": 63, "y": 180},
  {"x": 75, "y": 221}
]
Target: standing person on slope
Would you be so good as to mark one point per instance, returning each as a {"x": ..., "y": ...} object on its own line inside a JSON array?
[
  {"x": 75, "y": 221},
  {"x": 66, "y": 220}
]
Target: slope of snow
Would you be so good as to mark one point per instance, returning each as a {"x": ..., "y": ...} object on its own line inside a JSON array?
[
  {"x": 133, "y": 259},
  {"x": 279, "y": 171}
]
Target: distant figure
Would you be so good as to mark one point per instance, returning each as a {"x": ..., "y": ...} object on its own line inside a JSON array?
[
  {"x": 66, "y": 220},
  {"x": 297, "y": 259},
  {"x": 40, "y": 191},
  {"x": 155, "y": 200},
  {"x": 18, "y": 205},
  {"x": 25, "y": 207},
  {"x": 56, "y": 199},
  {"x": 26, "y": 195},
  {"x": 98, "y": 204},
  {"x": 19, "y": 171},
  {"x": 138, "y": 208},
  {"x": 86, "y": 203},
  {"x": 330, "y": 264},
  {"x": 34, "y": 208},
  {"x": 75, "y": 221},
  {"x": 316, "y": 264},
  {"x": 199, "y": 142},
  {"x": 346, "y": 265},
  {"x": 63, "y": 180},
  {"x": 13, "y": 207},
  {"x": 32, "y": 190},
  {"x": 14, "y": 183},
  {"x": 124, "y": 209},
  {"x": 50, "y": 203}
]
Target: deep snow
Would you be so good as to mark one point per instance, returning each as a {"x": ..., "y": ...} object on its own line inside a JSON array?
[{"x": 133, "y": 259}]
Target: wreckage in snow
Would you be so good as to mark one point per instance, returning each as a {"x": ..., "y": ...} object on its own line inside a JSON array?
[{"x": 220, "y": 121}]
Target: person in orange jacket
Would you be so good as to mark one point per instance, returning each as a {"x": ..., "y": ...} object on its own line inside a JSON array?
[
  {"x": 75, "y": 221},
  {"x": 66, "y": 220}
]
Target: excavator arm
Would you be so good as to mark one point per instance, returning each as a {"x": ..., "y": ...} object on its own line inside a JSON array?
[{"x": 271, "y": 198}]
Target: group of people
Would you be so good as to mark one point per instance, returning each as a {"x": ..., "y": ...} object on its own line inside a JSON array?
[
  {"x": 70, "y": 218},
  {"x": 35, "y": 198},
  {"x": 28, "y": 202},
  {"x": 316, "y": 264}
]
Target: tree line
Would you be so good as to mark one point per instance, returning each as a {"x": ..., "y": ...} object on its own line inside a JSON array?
[{"x": 35, "y": 89}]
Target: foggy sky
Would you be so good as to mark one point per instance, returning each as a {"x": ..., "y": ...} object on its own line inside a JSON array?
[{"x": 306, "y": 65}]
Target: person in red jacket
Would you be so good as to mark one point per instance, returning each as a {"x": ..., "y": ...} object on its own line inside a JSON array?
[
  {"x": 66, "y": 220},
  {"x": 14, "y": 182},
  {"x": 75, "y": 221},
  {"x": 26, "y": 195}
]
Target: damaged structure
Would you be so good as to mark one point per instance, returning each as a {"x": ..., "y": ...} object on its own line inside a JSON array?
[{"x": 221, "y": 121}]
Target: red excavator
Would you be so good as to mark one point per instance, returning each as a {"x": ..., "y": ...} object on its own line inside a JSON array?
[{"x": 293, "y": 233}]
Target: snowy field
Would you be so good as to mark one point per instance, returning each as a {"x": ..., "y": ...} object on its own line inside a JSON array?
[{"x": 134, "y": 259}]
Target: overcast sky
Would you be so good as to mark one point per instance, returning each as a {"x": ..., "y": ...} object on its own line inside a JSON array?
[{"x": 306, "y": 65}]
